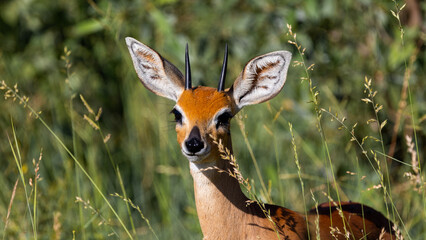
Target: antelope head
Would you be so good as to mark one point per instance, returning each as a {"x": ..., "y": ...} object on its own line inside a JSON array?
[{"x": 203, "y": 114}]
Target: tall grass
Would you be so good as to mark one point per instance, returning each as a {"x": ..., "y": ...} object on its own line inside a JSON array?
[{"x": 124, "y": 167}]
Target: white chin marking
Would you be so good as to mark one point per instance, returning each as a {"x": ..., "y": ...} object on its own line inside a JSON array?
[{"x": 198, "y": 157}]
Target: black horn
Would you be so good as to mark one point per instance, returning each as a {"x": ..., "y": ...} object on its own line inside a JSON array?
[
  {"x": 188, "y": 83},
  {"x": 221, "y": 86}
]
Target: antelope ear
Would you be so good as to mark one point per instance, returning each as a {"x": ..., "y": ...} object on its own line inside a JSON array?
[
  {"x": 156, "y": 73},
  {"x": 261, "y": 79}
]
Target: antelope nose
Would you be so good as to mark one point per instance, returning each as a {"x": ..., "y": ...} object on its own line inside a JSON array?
[{"x": 194, "y": 143}]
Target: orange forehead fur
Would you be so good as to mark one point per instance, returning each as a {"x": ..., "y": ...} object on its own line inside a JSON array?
[{"x": 202, "y": 103}]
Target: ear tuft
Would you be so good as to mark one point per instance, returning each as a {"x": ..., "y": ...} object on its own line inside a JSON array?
[
  {"x": 262, "y": 78},
  {"x": 156, "y": 73}
]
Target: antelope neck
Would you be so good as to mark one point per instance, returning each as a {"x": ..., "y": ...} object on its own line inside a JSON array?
[{"x": 219, "y": 200}]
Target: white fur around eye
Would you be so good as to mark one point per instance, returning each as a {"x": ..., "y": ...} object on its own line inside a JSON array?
[
  {"x": 184, "y": 119},
  {"x": 219, "y": 114}
]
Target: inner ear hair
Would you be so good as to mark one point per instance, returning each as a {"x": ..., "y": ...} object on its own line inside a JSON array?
[
  {"x": 156, "y": 73},
  {"x": 261, "y": 79}
]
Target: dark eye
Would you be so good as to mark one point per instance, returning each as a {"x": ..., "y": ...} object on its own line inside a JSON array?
[
  {"x": 223, "y": 119},
  {"x": 178, "y": 116}
]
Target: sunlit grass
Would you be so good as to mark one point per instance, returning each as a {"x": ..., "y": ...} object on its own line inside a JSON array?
[{"x": 129, "y": 147}]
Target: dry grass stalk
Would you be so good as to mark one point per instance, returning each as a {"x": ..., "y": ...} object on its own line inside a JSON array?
[
  {"x": 36, "y": 165},
  {"x": 57, "y": 226},
  {"x": 89, "y": 109},
  {"x": 137, "y": 208},
  {"x": 94, "y": 211},
  {"x": 9, "y": 209},
  {"x": 336, "y": 230},
  {"x": 335, "y": 233},
  {"x": 382, "y": 234},
  {"x": 398, "y": 233},
  {"x": 235, "y": 172},
  {"x": 91, "y": 122},
  {"x": 107, "y": 137},
  {"x": 13, "y": 93},
  {"x": 317, "y": 228},
  {"x": 416, "y": 180}
]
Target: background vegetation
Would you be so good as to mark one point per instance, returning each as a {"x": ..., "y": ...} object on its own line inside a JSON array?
[{"x": 346, "y": 40}]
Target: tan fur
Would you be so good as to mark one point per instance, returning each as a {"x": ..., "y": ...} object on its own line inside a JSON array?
[
  {"x": 210, "y": 102},
  {"x": 200, "y": 104},
  {"x": 223, "y": 210}
]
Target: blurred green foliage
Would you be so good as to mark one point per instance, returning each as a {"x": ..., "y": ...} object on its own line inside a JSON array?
[{"x": 346, "y": 40}]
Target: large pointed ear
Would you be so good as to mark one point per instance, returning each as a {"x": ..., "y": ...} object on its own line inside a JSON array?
[
  {"x": 156, "y": 73},
  {"x": 261, "y": 79}
]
